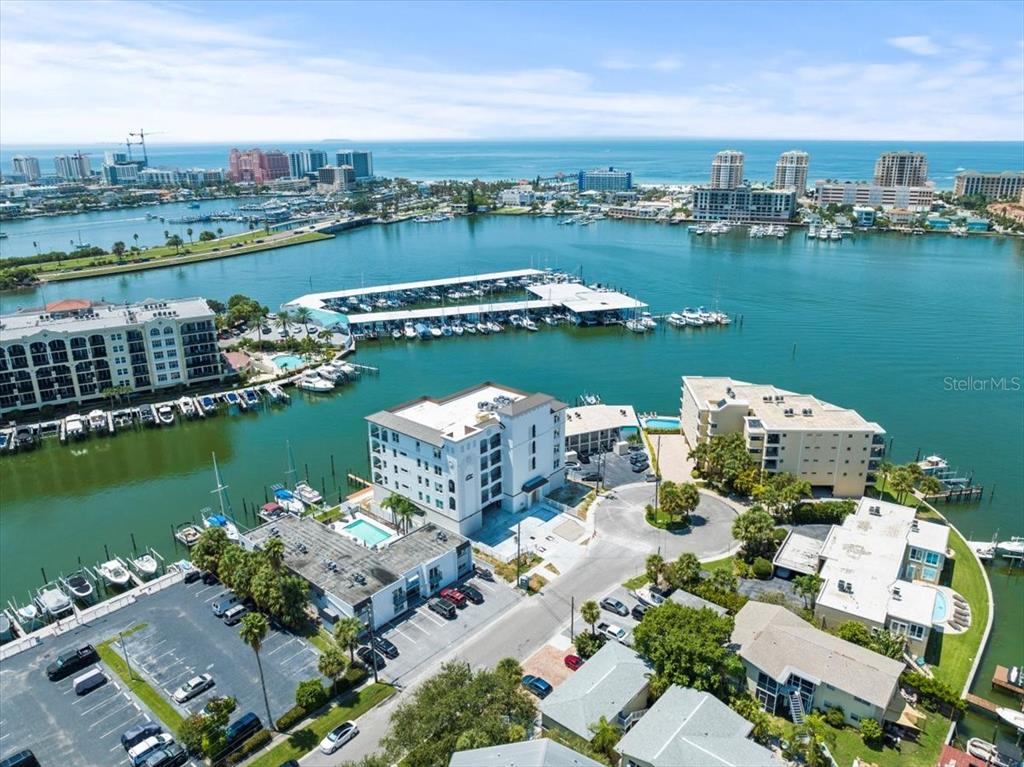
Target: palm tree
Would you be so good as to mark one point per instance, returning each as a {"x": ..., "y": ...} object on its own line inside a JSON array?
[
  {"x": 284, "y": 318},
  {"x": 257, "y": 318},
  {"x": 273, "y": 550},
  {"x": 402, "y": 510},
  {"x": 606, "y": 736},
  {"x": 332, "y": 664},
  {"x": 254, "y": 631},
  {"x": 346, "y": 634},
  {"x": 590, "y": 612},
  {"x": 302, "y": 316},
  {"x": 136, "y": 238},
  {"x": 189, "y": 233},
  {"x": 655, "y": 566},
  {"x": 220, "y": 231}
]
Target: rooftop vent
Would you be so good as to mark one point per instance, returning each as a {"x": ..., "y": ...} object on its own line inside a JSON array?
[
  {"x": 778, "y": 398},
  {"x": 913, "y": 526},
  {"x": 875, "y": 511},
  {"x": 788, "y": 411},
  {"x": 896, "y": 593},
  {"x": 807, "y": 411}
]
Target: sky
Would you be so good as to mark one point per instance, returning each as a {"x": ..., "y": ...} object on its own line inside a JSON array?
[{"x": 229, "y": 71}]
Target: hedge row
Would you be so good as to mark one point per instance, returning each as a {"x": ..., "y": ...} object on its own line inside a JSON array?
[
  {"x": 935, "y": 695},
  {"x": 821, "y": 512},
  {"x": 290, "y": 718},
  {"x": 250, "y": 747},
  {"x": 730, "y": 600}
]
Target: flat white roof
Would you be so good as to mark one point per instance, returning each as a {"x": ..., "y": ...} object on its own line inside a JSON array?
[
  {"x": 436, "y": 312},
  {"x": 581, "y": 299},
  {"x": 316, "y": 300},
  {"x": 449, "y": 414},
  {"x": 590, "y": 418},
  {"x": 799, "y": 553}
]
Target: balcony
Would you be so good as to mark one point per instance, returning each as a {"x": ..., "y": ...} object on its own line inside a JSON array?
[
  {"x": 878, "y": 439},
  {"x": 772, "y": 452},
  {"x": 773, "y": 439}
]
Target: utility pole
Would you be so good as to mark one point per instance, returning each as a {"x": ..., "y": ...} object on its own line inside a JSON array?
[
  {"x": 572, "y": 619},
  {"x": 124, "y": 652},
  {"x": 373, "y": 643},
  {"x": 519, "y": 543}
]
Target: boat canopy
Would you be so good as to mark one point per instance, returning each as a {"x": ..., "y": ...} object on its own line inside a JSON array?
[
  {"x": 271, "y": 507},
  {"x": 218, "y": 519},
  {"x": 285, "y": 494}
]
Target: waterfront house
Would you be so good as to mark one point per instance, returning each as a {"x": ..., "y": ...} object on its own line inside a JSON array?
[
  {"x": 865, "y": 215},
  {"x": 692, "y": 728},
  {"x": 596, "y": 428},
  {"x": 379, "y": 583},
  {"x": 792, "y": 668},
  {"x": 614, "y": 683},
  {"x": 542, "y": 752},
  {"x": 831, "y": 447}
]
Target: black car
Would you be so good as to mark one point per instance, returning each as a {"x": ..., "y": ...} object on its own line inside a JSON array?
[
  {"x": 70, "y": 661},
  {"x": 368, "y": 657},
  {"x": 192, "y": 576},
  {"x": 635, "y": 447},
  {"x": 583, "y": 458},
  {"x": 591, "y": 476},
  {"x": 209, "y": 578},
  {"x": 171, "y": 755},
  {"x": 385, "y": 647},
  {"x": 641, "y": 467},
  {"x": 615, "y": 606},
  {"x": 139, "y": 733},
  {"x": 638, "y": 458},
  {"x": 21, "y": 759},
  {"x": 483, "y": 572},
  {"x": 472, "y": 594},
  {"x": 638, "y": 611}
]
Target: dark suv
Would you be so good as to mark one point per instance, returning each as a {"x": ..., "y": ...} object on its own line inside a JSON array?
[{"x": 70, "y": 661}]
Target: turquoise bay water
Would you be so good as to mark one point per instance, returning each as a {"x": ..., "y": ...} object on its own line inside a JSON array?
[{"x": 922, "y": 334}]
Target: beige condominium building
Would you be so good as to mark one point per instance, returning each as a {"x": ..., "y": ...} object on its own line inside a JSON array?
[
  {"x": 833, "y": 448},
  {"x": 901, "y": 169},
  {"x": 1007, "y": 185}
]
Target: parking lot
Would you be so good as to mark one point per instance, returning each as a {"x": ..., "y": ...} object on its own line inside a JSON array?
[
  {"x": 183, "y": 638},
  {"x": 615, "y": 469},
  {"x": 423, "y": 635},
  {"x": 62, "y": 728}
]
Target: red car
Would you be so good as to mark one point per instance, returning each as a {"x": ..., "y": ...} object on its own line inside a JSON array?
[
  {"x": 573, "y": 661},
  {"x": 454, "y": 596}
]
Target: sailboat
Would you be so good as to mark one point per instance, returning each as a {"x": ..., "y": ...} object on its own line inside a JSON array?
[{"x": 223, "y": 519}]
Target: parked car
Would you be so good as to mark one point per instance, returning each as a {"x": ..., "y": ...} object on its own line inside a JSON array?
[
  {"x": 472, "y": 594},
  {"x": 89, "y": 681},
  {"x": 635, "y": 447},
  {"x": 139, "y": 733},
  {"x": 443, "y": 607},
  {"x": 538, "y": 686},
  {"x": 483, "y": 572},
  {"x": 138, "y": 753},
  {"x": 193, "y": 575},
  {"x": 613, "y": 605},
  {"x": 385, "y": 647},
  {"x": 639, "y": 468},
  {"x": 171, "y": 755},
  {"x": 454, "y": 596},
  {"x": 240, "y": 731},
  {"x": 639, "y": 610},
  {"x": 591, "y": 476},
  {"x": 638, "y": 457},
  {"x": 193, "y": 687},
  {"x": 225, "y": 602},
  {"x": 650, "y": 477},
  {"x": 612, "y": 631},
  {"x": 209, "y": 578},
  {"x": 573, "y": 662},
  {"x": 21, "y": 759},
  {"x": 338, "y": 737},
  {"x": 368, "y": 657},
  {"x": 70, "y": 661},
  {"x": 234, "y": 615}
]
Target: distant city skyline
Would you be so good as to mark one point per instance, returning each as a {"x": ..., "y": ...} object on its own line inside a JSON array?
[{"x": 458, "y": 71}]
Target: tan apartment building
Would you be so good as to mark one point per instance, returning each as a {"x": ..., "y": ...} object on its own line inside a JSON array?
[
  {"x": 833, "y": 448},
  {"x": 1007, "y": 185}
]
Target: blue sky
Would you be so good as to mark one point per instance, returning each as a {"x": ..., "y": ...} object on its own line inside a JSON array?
[{"x": 231, "y": 71}]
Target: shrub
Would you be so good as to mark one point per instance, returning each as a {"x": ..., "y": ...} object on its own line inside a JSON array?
[
  {"x": 353, "y": 677},
  {"x": 251, "y": 746},
  {"x": 780, "y": 534},
  {"x": 934, "y": 694},
  {"x": 730, "y": 600},
  {"x": 762, "y": 569},
  {"x": 870, "y": 731},
  {"x": 290, "y": 718},
  {"x": 821, "y": 512},
  {"x": 310, "y": 694},
  {"x": 587, "y": 644},
  {"x": 835, "y": 716}
]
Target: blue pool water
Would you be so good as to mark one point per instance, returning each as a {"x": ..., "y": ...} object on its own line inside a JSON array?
[
  {"x": 367, "y": 532},
  {"x": 288, "y": 361},
  {"x": 662, "y": 423},
  {"x": 939, "y": 613}
]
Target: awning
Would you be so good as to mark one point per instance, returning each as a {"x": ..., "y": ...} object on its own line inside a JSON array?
[
  {"x": 532, "y": 484},
  {"x": 910, "y": 718},
  {"x": 268, "y": 507}
]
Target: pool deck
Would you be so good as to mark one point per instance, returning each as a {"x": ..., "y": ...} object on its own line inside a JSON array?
[{"x": 342, "y": 529}]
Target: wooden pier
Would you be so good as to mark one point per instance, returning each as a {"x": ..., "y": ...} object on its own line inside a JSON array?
[
  {"x": 980, "y": 704},
  {"x": 967, "y": 494},
  {"x": 1001, "y": 680}
]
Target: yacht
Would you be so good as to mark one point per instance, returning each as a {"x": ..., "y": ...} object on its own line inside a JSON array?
[
  {"x": 52, "y": 601},
  {"x": 72, "y": 428},
  {"x": 314, "y": 383},
  {"x": 307, "y": 494},
  {"x": 219, "y": 520},
  {"x": 146, "y": 565},
  {"x": 706, "y": 317},
  {"x": 529, "y": 324},
  {"x": 636, "y": 325},
  {"x": 78, "y": 586},
  {"x": 98, "y": 421},
  {"x": 1011, "y": 549},
  {"x": 114, "y": 573},
  {"x": 186, "y": 407},
  {"x": 692, "y": 317},
  {"x": 409, "y": 330},
  {"x": 722, "y": 318},
  {"x": 289, "y": 501},
  {"x": 835, "y": 234},
  {"x": 676, "y": 320},
  {"x": 649, "y": 322},
  {"x": 1012, "y": 717},
  {"x": 329, "y": 372},
  {"x": 165, "y": 414}
]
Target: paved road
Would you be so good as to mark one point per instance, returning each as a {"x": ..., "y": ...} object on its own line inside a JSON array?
[{"x": 622, "y": 541}]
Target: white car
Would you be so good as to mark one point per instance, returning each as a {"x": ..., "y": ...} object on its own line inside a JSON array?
[
  {"x": 338, "y": 737},
  {"x": 138, "y": 753},
  {"x": 192, "y": 688}
]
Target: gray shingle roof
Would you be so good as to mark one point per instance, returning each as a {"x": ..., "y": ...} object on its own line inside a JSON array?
[
  {"x": 529, "y": 753},
  {"x": 776, "y": 641},
  {"x": 602, "y": 687},
  {"x": 687, "y": 727}
]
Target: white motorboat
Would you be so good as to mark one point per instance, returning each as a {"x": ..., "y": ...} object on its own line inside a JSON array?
[
  {"x": 165, "y": 414},
  {"x": 692, "y": 317},
  {"x": 219, "y": 520},
  {"x": 722, "y": 318},
  {"x": 988, "y": 752},
  {"x": 187, "y": 407},
  {"x": 550, "y": 320},
  {"x": 706, "y": 317},
  {"x": 396, "y": 333},
  {"x": 289, "y": 501},
  {"x": 494, "y": 327},
  {"x": 409, "y": 330},
  {"x": 329, "y": 372},
  {"x": 676, "y": 320},
  {"x": 73, "y": 427},
  {"x": 187, "y": 534},
  {"x": 529, "y": 324},
  {"x": 515, "y": 320},
  {"x": 307, "y": 494},
  {"x": 1011, "y": 549},
  {"x": 52, "y": 601},
  {"x": 458, "y": 329},
  {"x": 208, "y": 404},
  {"x": 483, "y": 327},
  {"x": 97, "y": 421},
  {"x": 28, "y": 614},
  {"x": 1012, "y": 717},
  {"x": 277, "y": 394},
  {"x": 636, "y": 325},
  {"x": 114, "y": 573},
  {"x": 649, "y": 322},
  {"x": 435, "y": 331},
  {"x": 314, "y": 383},
  {"x": 78, "y": 586},
  {"x": 146, "y": 565},
  {"x": 471, "y": 328}
]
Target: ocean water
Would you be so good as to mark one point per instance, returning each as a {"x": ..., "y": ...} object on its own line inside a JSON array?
[{"x": 651, "y": 160}]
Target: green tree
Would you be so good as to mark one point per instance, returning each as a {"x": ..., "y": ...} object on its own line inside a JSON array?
[
  {"x": 303, "y": 316},
  {"x": 688, "y": 647},
  {"x": 402, "y": 510},
  {"x": 870, "y": 732},
  {"x": 655, "y": 568},
  {"x": 273, "y": 552},
  {"x": 118, "y": 249},
  {"x": 174, "y": 241},
  {"x": 722, "y": 579},
  {"x": 310, "y": 694},
  {"x": 332, "y": 663},
  {"x": 189, "y": 233},
  {"x": 587, "y": 644},
  {"x": 722, "y": 459},
  {"x": 901, "y": 481},
  {"x": 370, "y": 760},
  {"x": 755, "y": 529},
  {"x": 811, "y": 737},
  {"x": 510, "y": 668},
  {"x": 606, "y": 737},
  {"x": 807, "y": 586},
  {"x": 135, "y": 237},
  {"x": 678, "y": 500},
  {"x": 777, "y": 493},
  {"x": 254, "y": 630},
  {"x": 346, "y": 634},
  {"x": 590, "y": 612},
  {"x": 765, "y": 729},
  {"x": 206, "y": 235},
  {"x": 283, "y": 320},
  {"x": 238, "y": 570},
  {"x": 684, "y": 572},
  {"x": 209, "y": 549},
  {"x": 929, "y": 485}
]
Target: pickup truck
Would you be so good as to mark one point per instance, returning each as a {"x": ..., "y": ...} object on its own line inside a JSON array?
[{"x": 612, "y": 631}]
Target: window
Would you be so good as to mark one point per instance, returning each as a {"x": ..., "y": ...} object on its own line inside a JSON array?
[
  {"x": 483, "y": 446},
  {"x": 916, "y": 555},
  {"x": 451, "y": 503},
  {"x": 439, "y": 503},
  {"x": 451, "y": 485},
  {"x": 557, "y": 463},
  {"x": 437, "y": 470},
  {"x": 168, "y": 331},
  {"x": 533, "y": 431},
  {"x": 931, "y": 558},
  {"x": 154, "y": 332},
  {"x": 533, "y": 463},
  {"x": 533, "y": 447}
]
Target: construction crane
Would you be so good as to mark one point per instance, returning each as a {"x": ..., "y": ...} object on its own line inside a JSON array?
[{"x": 141, "y": 135}]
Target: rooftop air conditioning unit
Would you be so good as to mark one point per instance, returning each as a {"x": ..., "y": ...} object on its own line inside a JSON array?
[
  {"x": 778, "y": 398},
  {"x": 842, "y": 585},
  {"x": 875, "y": 511}
]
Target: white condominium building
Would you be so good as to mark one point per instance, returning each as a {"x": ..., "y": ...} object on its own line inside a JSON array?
[
  {"x": 71, "y": 351},
  {"x": 484, "y": 448},
  {"x": 901, "y": 169},
  {"x": 791, "y": 171},
  {"x": 831, "y": 447},
  {"x": 917, "y": 198},
  {"x": 727, "y": 170}
]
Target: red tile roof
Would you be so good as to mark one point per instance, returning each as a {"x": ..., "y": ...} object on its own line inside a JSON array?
[{"x": 68, "y": 305}]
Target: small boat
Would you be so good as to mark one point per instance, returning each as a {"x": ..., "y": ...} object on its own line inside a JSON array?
[
  {"x": 692, "y": 317},
  {"x": 307, "y": 494},
  {"x": 1011, "y": 549},
  {"x": 146, "y": 565},
  {"x": 1012, "y": 717},
  {"x": 24, "y": 439},
  {"x": 147, "y": 416},
  {"x": 471, "y": 328},
  {"x": 329, "y": 372},
  {"x": 396, "y": 333},
  {"x": 494, "y": 327},
  {"x": 409, "y": 330},
  {"x": 982, "y": 749},
  {"x": 208, "y": 404},
  {"x": 708, "y": 318},
  {"x": 636, "y": 325},
  {"x": 186, "y": 407},
  {"x": 483, "y": 327},
  {"x": 252, "y": 399},
  {"x": 676, "y": 320},
  {"x": 28, "y": 614},
  {"x": 97, "y": 421},
  {"x": 271, "y": 511},
  {"x": 232, "y": 398},
  {"x": 314, "y": 383},
  {"x": 722, "y": 318},
  {"x": 73, "y": 428},
  {"x": 458, "y": 330},
  {"x": 165, "y": 414},
  {"x": 187, "y": 534},
  {"x": 435, "y": 331},
  {"x": 277, "y": 394},
  {"x": 219, "y": 520},
  {"x": 78, "y": 585},
  {"x": 423, "y": 331},
  {"x": 515, "y": 320},
  {"x": 649, "y": 322},
  {"x": 529, "y": 324},
  {"x": 52, "y": 601},
  {"x": 114, "y": 573},
  {"x": 288, "y": 501}
]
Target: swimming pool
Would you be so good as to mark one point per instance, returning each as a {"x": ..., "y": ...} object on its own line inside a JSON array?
[
  {"x": 367, "y": 532},
  {"x": 288, "y": 361},
  {"x": 939, "y": 613},
  {"x": 662, "y": 423}
]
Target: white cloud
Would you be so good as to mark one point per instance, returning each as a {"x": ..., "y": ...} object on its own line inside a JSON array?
[
  {"x": 919, "y": 44},
  {"x": 667, "y": 64}
]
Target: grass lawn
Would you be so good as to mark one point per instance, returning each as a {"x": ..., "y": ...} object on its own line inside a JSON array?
[
  {"x": 663, "y": 521},
  {"x": 636, "y": 582},
  {"x": 321, "y": 640},
  {"x": 302, "y": 741},
  {"x": 924, "y": 753},
  {"x": 110, "y": 653}
]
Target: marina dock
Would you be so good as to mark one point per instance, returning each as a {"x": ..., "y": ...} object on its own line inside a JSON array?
[{"x": 1001, "y": 679}]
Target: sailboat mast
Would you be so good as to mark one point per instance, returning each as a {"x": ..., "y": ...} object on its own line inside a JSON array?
[{"x": 221, "y": 490}]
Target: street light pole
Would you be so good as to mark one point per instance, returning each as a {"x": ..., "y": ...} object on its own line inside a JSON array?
[
  {"x": 373, "y": 643},
  {"x": 124, "y": 652},
  {"x": 572, "y": 619}
]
